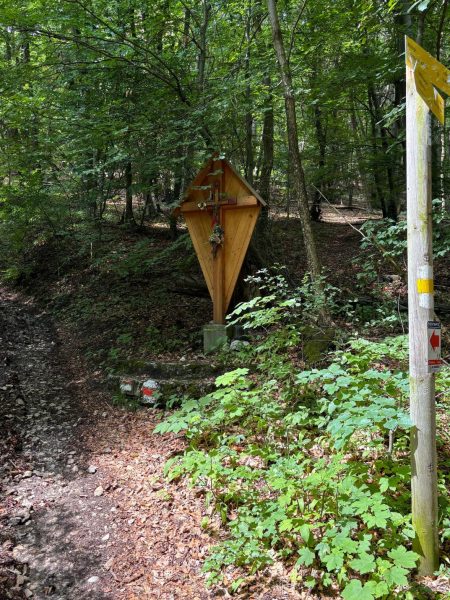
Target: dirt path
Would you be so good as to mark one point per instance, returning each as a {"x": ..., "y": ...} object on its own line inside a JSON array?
[{"x": 83, "y": 510}]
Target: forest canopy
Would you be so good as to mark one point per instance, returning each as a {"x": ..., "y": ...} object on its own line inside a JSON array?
[{"x": 104, "y": 100}]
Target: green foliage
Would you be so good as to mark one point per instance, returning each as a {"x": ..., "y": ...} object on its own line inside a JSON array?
[
  {"x": 354, "y": 397},
  {"x": 284, "y": 320},
  {"x": 307, "y": 466},
  {"x": 277, "y": 469},
  {"x": 385, "y": 242},
  {"x": 385, "y": 237},
  {"x": 279, "y": 303},
  {"x": 383, "y": 251}
]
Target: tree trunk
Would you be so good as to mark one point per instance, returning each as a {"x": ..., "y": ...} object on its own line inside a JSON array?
[
  {"x": 438, "y": 136},
  {"x": 201, "y": 59},
  {"x": 390, "y": 210},
  {"x": 128, "y": 216},
  {"x": 291, "y": 121},
  {"x": 321, "y": 142},
  {"x": 403, "y": 26},
  {"x": 249, "y": 158},
  {"x": 267, "y": 154},
  {"x": 367, "y": 187},
  {"x": 375, "y": 166}
]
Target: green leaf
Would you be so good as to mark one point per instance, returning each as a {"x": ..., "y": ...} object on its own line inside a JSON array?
[
  {"x": 384, "y": 484},
  {"x": 346, "y": 544},
  {"x": 237, "y": 584},
  {"x": 305, "y": 557},
  {"x": 334, "y": 561},
  {"x": 364, "y": 564},
  {"x": 396, "y": 576},
  {"x": 379, "y": 519},
  {"x": 305, "y": 532},
  {"x": 231, "y": 377},
  {"x": 403, "y": 557},
  {"x": 355, "y": 591},
  {"x": 378, "y": 588},
  {"x": 286, "y": 525}
]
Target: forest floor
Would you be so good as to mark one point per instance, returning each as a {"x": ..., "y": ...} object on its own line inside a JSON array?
[{"x": 85, "y": 511}]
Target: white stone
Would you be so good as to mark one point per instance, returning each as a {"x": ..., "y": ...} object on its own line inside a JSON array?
[{"x": 237, "y": 345}]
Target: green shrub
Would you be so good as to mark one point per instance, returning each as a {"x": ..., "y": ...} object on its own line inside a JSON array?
[
  {"x": 309, "y": 467},
  {"x": 312, "y": 483}
]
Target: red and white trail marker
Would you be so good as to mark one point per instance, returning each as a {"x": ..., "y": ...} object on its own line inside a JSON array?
[
  {"x": 149, "y": 388},
  {"x": 434, "y": 346}
]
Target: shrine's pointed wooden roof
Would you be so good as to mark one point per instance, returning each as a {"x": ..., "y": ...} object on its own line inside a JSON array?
[{"x": 235, "y": 183}]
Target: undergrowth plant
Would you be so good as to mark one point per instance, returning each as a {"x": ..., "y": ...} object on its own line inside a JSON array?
[
  {"x": 381, "y": 269},
  {"x": 308, "y": 466},
  {"x": 385, "y": 241}
]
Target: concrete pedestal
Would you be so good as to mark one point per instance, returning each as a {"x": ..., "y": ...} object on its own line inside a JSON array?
[{"x": 214, "y": 336}]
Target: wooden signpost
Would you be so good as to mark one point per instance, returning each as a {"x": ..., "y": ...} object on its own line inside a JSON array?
[
  {"x": 423, "y": 75},
  {"x": 220, "y": 209}
]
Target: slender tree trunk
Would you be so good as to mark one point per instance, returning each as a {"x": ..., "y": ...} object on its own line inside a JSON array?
[
  {"x": 183, "y": 174},
  {"x": 437, "y": 136},
  {"x": 367, "y": 187},
  {"x": 267, "y": 144},
  {"x": 186, "y": 26},
  {"x": 403, "y": 26},
  {"x": 249, "y": 158},
  {"x": 392, "y": 209},
  {"x": 291, "y": 121},
  {"x": 441, "y": 29},
  {"x": 8, "y": 45},
  {"x": 375, "y": 166},
  {"x": 421, "y": 26},
  {"x": 350, "y": 195},
  {"x": 26, "y": 50},
  {"x": 321, "y": 142},
  {"x": 288, "y": 186},
  {"x": 266, "y": 166},
  {"x": 128, "y": 216},
  {"x": 201, "y": 59},
  {"x": 391, "y": 206}
]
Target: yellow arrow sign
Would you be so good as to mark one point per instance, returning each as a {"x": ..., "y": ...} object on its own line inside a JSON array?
[{"x": 429, "y": 74}]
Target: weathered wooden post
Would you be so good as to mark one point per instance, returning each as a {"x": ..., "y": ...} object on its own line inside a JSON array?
[
  {"x": 220, "y": 209},
  {"x": 422, "y": 73}
]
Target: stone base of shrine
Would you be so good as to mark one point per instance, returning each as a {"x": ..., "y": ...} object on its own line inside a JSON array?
[{"x": 214, "y": 337}]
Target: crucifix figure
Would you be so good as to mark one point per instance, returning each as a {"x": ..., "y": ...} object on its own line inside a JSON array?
[
  {"x": 217, "y": 237},
  {"x": 217, "y": 240}
]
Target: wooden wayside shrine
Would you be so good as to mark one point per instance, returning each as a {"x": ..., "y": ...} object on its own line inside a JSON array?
[{"x": 220, "y": 209}]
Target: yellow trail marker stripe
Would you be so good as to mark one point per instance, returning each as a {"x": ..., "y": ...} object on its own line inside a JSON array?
[{"x": 425, "y": 286}]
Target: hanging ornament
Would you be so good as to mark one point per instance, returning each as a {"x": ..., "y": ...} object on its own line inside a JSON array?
[{"x": 216, "y": 239}]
